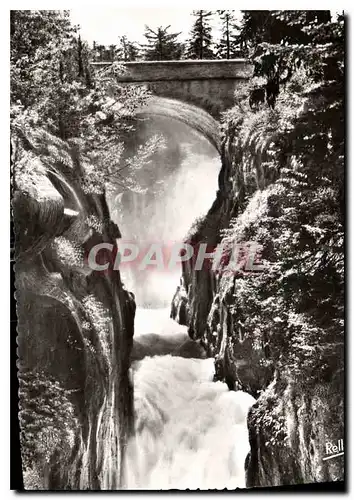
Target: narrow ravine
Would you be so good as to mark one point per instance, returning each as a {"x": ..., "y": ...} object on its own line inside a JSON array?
[
  {"x": 189, "y": 431},
  {"x": 179, "y": 235}
]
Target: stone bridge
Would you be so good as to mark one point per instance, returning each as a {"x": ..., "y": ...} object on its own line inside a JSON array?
[{"x": 195, "y": 92}]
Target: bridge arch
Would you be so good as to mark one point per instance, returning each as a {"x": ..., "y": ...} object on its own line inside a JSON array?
[
  {"x": 207, "y": 84},
  {"x": 193, "y": 116}
]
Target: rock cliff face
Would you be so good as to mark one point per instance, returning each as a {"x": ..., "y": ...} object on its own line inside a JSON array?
[
  {"x": 292, "y": 427},
  {"x": 75, "y": 325},
  {"x": 297, "y": 410}
]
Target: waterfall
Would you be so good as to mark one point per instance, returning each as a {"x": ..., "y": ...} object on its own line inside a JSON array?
[
  {"x": 189, "y": 431},
  {"x": 181, "y": 188}
]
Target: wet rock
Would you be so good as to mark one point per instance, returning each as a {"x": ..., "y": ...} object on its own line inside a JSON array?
[
  {"x": 75, "y": 327},
  {"x": 179, "y": 306}
]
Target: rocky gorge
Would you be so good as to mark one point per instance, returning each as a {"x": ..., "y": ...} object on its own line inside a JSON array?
[
  {"x": 75, "y": 326},
  {"x": 240, "y": 383},
  {"x": 252, "y": 325}
]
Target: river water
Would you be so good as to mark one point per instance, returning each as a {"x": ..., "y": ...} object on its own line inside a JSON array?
[{"x": 190, "y": 432}]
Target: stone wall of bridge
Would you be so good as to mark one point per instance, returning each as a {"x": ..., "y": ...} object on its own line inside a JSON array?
[{"x": 209, "y": 85}]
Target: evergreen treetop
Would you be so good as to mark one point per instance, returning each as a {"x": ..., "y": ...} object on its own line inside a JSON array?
[
  {"x": 161, "y": 45},
  {"x": 228, "y": 46},
  {"x": 200, "y": 42}
]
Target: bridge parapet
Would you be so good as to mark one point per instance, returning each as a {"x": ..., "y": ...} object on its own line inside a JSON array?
[
  {"x": 207, "y": 84},
  {"x": 154, "y": 71}
]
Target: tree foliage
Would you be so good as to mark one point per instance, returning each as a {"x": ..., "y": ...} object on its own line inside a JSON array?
[
  {"x": 280, "y": 42},
  {"x": 161, "y": 45},
  {"x": 53, "y": 89},
  {"x": 200, "y": 43},
  {"x": 48, "y": 424},
  {"x": 228, "y": 46},
  {"x": 124, "y": 51},
  {"x": 294, "y": 156},
  {"x": 127, "y": 50},
  {"x": 49, "y": 68}
]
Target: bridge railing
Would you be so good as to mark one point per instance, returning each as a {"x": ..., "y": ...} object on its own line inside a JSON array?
[{"x": 150, "y": 71}]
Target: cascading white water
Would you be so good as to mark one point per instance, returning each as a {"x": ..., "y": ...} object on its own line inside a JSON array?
[
  {"x": 190, "y": 432},
  {"x": 178, "y": 193}
]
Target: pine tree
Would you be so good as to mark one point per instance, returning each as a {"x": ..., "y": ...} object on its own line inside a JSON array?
[
  {"x": 228, "y": 46},
  {"x": 278, "y": 27},
  {"x": 276, "y": 42},
  {"x": 161, "y": 46},
  {"x": 32, "y": 33},
  {"x": 100, "y": 52},
  {"x": 127, "y": 50},
  {"x": 201, "y": 40}
]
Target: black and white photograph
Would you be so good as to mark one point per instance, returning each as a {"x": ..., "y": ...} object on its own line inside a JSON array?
[{"x": 178, "y": 249}]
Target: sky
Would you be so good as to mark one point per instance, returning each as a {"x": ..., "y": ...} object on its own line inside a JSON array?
[{"x": 106, "y": 25}]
